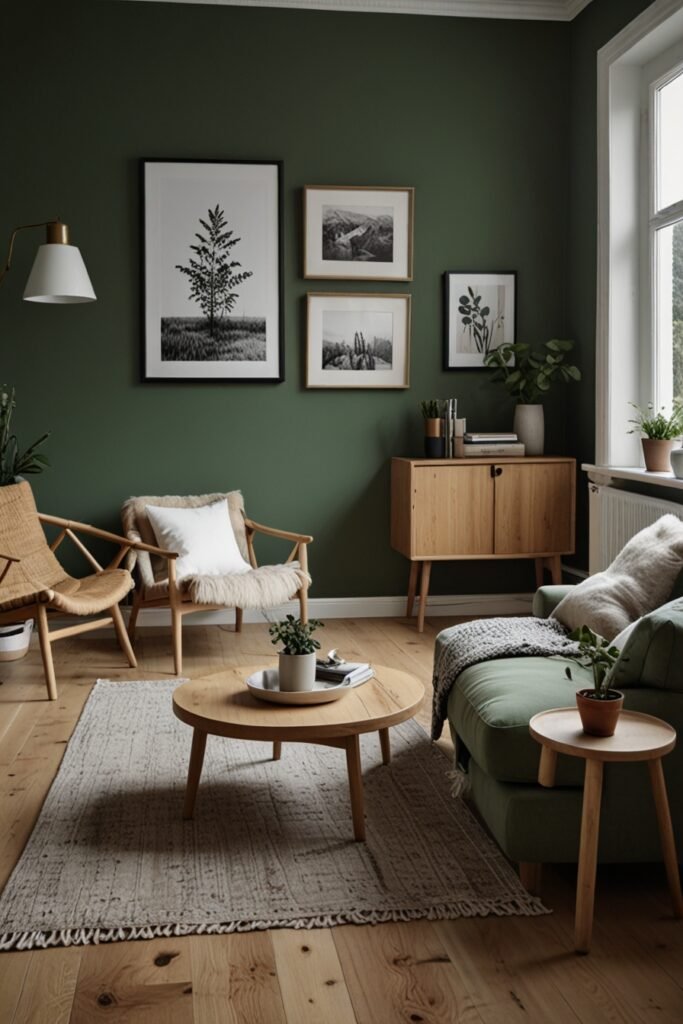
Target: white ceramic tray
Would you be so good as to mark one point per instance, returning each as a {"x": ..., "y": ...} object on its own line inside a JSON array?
[{"x": 265, "y": 685}]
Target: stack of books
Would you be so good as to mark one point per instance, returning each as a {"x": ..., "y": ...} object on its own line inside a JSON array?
[
  {"x": 499, "y": 445},
  {"x": 347, "y": 672}
]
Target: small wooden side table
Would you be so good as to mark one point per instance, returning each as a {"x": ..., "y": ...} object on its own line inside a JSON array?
[{"x": 638, "y": 738}]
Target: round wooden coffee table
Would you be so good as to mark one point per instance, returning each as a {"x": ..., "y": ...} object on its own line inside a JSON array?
[
  {"x": 221, "y": 705},
  {"x": 638, "y": 737}
]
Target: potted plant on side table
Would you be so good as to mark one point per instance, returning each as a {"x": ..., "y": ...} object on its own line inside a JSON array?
[
  {"x": 296, "y": 668},
  {"x": 600, "y": 707},
  {"x": 660, "y": 434},
  {"x": 528, "y": 376}
]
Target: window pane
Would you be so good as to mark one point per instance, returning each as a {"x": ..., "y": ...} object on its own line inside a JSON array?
[
  {"x": 669, "y": 308},
  {"x": 670, "y": 143}
]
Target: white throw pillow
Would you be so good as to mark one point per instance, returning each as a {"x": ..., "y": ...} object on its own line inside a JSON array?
[
  {"x": 203, "y": 537},
  {"x": 639, "y": 580}
]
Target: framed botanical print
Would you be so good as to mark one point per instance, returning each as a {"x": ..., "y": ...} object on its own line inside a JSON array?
[
  {"x": 358, "y": 233},
  {"x": 212, "y": 270},
  {"x": 479, "y": 316},
  {"x": 358, "y": 341}
]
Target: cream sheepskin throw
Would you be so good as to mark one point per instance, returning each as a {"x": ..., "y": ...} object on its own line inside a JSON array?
[
  {"x": 264, "y": 587},
  {"x": 639, "y": 580}
]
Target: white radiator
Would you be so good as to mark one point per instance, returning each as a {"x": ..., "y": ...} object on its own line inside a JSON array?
[{"x": 615, "y": 516}]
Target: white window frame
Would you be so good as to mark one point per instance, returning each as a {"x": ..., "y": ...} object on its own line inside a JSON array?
[{"x": 626, "y": 368}]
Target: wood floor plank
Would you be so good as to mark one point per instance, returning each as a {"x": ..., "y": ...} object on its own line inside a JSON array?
[
  {"x": 49, "y": 986},
  {"x": 402, "y": 972},
  {"x": 311, "y": 979},
  {"x": 146, "y": 982},
  {"x": 234, "y": 980},
  {"x": 13, "y": 970}
]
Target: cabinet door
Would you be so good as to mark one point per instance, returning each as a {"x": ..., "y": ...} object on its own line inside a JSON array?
[
  {"x": 534, "y": 508},
  {"x": 452, "y": 511}
]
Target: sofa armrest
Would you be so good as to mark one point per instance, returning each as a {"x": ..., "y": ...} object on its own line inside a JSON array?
[
  {"x": 546, "y": 599},
  {"x": 653, "y": 654}
]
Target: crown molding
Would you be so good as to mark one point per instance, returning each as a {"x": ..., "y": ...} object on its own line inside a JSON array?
[{"x": 531, "y": 10}]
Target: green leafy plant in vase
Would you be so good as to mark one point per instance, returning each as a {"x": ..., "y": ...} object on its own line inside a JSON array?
[
  {"x": 528, "y": 376},
  {"x": 296, "y": 666},
  {"x": 660, "y": 433},
  {"x": 14, "y": 465},
  {"x": 600, "y": 706},
  {"x": 432, "y": 413}
]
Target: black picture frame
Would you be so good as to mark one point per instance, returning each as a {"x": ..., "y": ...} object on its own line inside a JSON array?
[
  {"x": 173, "y": 202},
  {"x": 465, "y": 343}
]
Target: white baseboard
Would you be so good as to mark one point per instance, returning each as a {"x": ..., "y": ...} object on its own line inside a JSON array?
[{"x": 356, "y": 608}]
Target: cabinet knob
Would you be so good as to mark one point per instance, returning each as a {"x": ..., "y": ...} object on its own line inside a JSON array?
[{"x": 496, "y": 470}]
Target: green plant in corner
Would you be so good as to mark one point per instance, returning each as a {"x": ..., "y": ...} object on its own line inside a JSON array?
[
  {"x": 528, "y": 375},
  {"x": 13, "y": 463},
  {"x": 597, "y": 654},
  {"x": 658, "y": 426},
  {"x": 295, "y": 635}
]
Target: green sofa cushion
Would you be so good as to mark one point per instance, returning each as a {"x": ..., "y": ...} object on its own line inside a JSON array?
[
  {"x": 490, "y": 707},
  {"x": 653, "y": 654}
]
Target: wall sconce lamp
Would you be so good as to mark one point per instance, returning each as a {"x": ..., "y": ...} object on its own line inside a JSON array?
[{"x": 58, "y": 274}]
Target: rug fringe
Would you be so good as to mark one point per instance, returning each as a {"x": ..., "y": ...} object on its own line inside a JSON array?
[{"x": 529, "y": 906}]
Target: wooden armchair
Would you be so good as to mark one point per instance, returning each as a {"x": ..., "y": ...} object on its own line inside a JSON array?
[
  {"x": 264, "y": 587},
  {"x": 32, "y": 581}
]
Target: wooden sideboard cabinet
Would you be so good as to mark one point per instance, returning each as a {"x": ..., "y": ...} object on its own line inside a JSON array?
[{"x": 450, "y": 509}]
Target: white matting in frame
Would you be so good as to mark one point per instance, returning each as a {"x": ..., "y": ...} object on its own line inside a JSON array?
[{"x": 358, "y": 341}]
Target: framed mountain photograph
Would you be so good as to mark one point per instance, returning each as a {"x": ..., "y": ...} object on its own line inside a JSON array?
[
  {"x": 212, "y": 270},
  {"x": 479, "y": 316},
  {"x": 358, "y": 341},
  {"x": 358, "y": 233}
]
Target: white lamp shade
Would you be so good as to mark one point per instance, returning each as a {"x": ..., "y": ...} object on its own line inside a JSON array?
[{"x": 59, "y": 275}]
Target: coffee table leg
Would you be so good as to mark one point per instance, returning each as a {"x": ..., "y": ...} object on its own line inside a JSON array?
[
  {"x": 277, "y": 750},
  {"x": 355, "y": 786},
  {"x": 385, "y": 744},
  {"x": 588, "y": 856},
  {"x": 666, "y": 834},
  {"x": 195, "y": 771}
]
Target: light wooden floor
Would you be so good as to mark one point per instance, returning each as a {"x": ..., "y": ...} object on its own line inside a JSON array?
[{"x": 478, "y": 971}]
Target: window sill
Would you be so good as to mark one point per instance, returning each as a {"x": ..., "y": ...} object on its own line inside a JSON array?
[{"x": 636, "y": 473}]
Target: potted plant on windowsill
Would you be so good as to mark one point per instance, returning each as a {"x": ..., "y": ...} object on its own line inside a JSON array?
[
  {"x": 660, "y": 434},
  {"x": 600, "y": 707},
  {"x": 432, "y": 414},
  {"x": 296, "y": 667},
  {"x": 528, "y": 376}
]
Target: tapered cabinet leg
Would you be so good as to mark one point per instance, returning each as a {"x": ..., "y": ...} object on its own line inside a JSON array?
[
  {"x": 195, "y": 771},
  {"x": 46, "y": 652},
  {"x": 277, "y": 750},
  {"x": 122, "y": 635},
  {"x": 424, "y": 592},
  {"x": 555, "y": 566},
  {"x": 588, "y": 856},
  {"x": 355, "y": 787},
  {"x": 666, "y": 834},
  {"x": 539, "y": 567},
  {"x": 177, "y": 630},
  {"x": 385, "y": 744},
  {"x": 412, "y": 588}
]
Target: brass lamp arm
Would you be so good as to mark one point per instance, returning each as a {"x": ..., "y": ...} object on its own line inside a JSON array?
[{"x": 57, "y": 232}]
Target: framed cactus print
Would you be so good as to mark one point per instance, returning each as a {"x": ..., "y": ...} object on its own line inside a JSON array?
[
  {"x": 212, "y": 270},
  {"x": 479, "y": 316},
  {"x": 358, "y": 341}
]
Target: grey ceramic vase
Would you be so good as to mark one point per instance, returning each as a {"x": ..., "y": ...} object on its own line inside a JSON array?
[
  {"x": 676, "y": 457},
  {"x": 529, "y": 426}
]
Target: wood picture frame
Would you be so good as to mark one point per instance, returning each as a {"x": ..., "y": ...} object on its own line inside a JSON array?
[
  {"x": 212, "y": 281},
  {"x": 358, "y": 233},
  {"x": 480, "y": 312}
]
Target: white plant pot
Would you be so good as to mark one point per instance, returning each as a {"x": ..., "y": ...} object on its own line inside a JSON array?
[
  {"x": 15, "y": 640},
  {"x": 297, "y": 672},
  {"x": 529, "y": 426},
  {"x": 677, "y": 462}
]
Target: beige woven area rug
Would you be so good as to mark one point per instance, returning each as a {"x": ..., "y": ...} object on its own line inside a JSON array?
[{"x": 271, "y": 844}]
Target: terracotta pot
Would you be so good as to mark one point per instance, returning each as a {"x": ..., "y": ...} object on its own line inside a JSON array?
[
  {"x": 657, "y": 455},
  {"x": 433, "y": 427},
  {"x": 599, "y": 717}
]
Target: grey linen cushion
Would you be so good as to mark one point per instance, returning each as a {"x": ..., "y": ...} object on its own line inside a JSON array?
[{"x": 639, "y": 580}]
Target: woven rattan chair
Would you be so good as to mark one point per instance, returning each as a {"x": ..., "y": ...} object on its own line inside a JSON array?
[
  {"x": 32, "y": 581},
  {"x": 266, "y": 586}
]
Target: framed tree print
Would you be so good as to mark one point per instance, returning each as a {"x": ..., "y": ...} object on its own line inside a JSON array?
[
  {"x": 357, "y": 233},
  {"x": 479, "y": 316},
  {"x": 212, "y": 267}
]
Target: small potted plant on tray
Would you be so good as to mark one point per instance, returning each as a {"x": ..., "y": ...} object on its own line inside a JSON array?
[
  {"x": 296, "y": 669},
  {"x": 660, "y": 434},
  {"x": 435, "y": 442},
  {"x": 599, "y": 707}
]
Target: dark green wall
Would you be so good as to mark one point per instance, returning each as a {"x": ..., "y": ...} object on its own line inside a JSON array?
[{"x": 473, "y": 113}]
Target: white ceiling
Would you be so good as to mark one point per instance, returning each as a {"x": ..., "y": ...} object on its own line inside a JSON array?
[{"x": 540, "y": 10}]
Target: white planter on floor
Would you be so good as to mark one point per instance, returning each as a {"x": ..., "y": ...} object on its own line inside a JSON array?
[
  {"x": 529, "y": 425},
  {"x": 296, "y": 671}
]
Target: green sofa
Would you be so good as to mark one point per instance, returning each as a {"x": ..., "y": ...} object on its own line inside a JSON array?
[{"x": 489, "y": 709}]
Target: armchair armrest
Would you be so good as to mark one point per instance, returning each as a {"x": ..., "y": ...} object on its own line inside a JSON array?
[
  {"x": 546, "y": 599},
  {"x": 115, "y": 538},
  {"x": 270, "y": 531}
]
